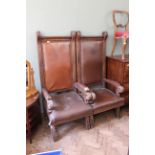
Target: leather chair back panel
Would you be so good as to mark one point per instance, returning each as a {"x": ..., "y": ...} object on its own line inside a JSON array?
[
  {"x": 57, "y": 65},
  {"x": 91, "y": 58},
  {"x": 91, "y": 61}
]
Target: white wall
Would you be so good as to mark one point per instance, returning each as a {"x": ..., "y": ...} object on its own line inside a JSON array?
[{"x": 59, "y": 17}]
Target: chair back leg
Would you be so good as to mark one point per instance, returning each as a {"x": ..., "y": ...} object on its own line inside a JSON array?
[
  {"x": 124, "y": 43},
  {"x": 87, "y": 123},
  {"x": 92, "y": 121},
  {"x": 114, "y": 46},
  {"x": 118, "y": 112}
]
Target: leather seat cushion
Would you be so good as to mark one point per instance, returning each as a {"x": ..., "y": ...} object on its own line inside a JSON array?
[
  {"x": 69, "y": 106},
  {"x": 106, "y": 100},
  {"x": 122, "y": 34}
]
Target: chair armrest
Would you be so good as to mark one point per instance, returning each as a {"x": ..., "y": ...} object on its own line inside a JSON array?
[
  {"x": 118, "y": 88},
  {"x": 85, "y": 92},
  {"x": 48, "y": 98}
]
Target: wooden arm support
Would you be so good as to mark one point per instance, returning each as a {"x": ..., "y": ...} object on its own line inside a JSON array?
[
  {"x": 118, "y": 88},
  {"x": 48, "y": 98},
  {"x": 86, "y": 93}
]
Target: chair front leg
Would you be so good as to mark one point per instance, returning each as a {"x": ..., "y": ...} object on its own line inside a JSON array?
[
  {"x": 118, "y": 112},
  {"x": 114, "y": 46},
  {"x": 87, "y": 123},
  {"x": 124, "y": 47},
  {"x": 92, "y": 121},
  {"x": 54, "y": 133}
]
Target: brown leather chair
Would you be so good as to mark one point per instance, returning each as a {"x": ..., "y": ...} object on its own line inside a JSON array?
[
  {"x": 58, "y": 76},
  {"x": 91, "y": 71}
]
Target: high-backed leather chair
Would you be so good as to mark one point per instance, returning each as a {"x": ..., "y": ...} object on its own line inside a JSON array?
[
  {"x": 58, "y": 76},
  {"x": 91, "y": 71}
]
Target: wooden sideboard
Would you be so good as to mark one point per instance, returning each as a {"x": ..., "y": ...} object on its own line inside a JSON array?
[
  {"x": 33, "y": 115},
  {"x": 118, "y": 70}
]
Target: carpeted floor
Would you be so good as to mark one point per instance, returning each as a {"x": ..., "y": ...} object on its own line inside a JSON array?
[{"x": 109, "y": 136}]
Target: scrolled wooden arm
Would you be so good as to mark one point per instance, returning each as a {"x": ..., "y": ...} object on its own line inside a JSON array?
[
  {"x": 118, "y": 88},
  {"x": 48, "y": 98},
  {"x": 82, "y": 88},
  {"x": 86, "y": 93}
]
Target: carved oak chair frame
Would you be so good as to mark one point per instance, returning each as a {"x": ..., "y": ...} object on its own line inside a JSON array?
[
  {"x": 91, "y": 71},
  {"x": 80, "y": 90}
]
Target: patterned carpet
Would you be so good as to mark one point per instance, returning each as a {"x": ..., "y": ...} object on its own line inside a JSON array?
[{"x": 109, "y": 136}]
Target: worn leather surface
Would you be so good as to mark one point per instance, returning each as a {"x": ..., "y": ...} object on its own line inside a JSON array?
[
  {"x": 69, "y": 106},
  {"x": 91, "y": 61},
  {"x": 57, "y": 65},
  {"x": 59, "y": 73},
  {"x": 57, "y": 60},
  {"x": 91, "y": 70},
  {"x": 105, "y": 100}
]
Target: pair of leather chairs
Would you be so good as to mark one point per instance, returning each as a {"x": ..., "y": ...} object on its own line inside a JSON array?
[{"x": 73, "y": 79}]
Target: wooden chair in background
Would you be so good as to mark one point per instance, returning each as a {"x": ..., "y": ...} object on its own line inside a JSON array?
[{"x": 120, "y": 31}]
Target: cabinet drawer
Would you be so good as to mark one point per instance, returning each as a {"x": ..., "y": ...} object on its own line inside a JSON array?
[{"x": 126, "y": 73}]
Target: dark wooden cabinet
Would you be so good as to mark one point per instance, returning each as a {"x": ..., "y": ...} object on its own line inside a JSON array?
[
  {"x": 33, "y": 115},
  {"x": 118, "y": 70}
]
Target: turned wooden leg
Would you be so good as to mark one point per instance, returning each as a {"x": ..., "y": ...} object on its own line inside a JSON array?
[
  {"x": 118, "y": 112},
  {"x": 87, "y": 122},
  {"x": 114, "y": 46},
  {"x": 124, "y": 47},
  {"x": 54, "y": 133},
  {"x": 92, "y": 121}
]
